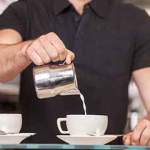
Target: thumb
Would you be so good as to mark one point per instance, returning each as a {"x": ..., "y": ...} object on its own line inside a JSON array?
[
  {"x": 127, "y": 138},
  {"x": 70, "y": 57}
]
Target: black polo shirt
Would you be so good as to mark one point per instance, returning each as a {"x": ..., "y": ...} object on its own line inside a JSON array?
[{"x": 110, "y": 41}]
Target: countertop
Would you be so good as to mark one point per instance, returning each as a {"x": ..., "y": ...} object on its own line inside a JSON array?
[{"x": 66, "y": 146}]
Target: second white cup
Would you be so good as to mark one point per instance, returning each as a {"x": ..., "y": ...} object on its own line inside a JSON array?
[{"x": 10, "y": 123}]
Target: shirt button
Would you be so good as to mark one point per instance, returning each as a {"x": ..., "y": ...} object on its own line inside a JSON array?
[{"x": 77, "y": 18}]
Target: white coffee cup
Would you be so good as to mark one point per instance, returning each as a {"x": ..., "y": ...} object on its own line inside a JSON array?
[
  {"x": 83, "y": 125},
  {"x": 10, "y": 123}
]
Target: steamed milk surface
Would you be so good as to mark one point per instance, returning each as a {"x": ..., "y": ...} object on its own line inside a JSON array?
[{"x": 83, "y": 103}]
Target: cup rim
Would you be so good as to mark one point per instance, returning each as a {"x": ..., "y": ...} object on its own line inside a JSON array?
[
  {"x": 86, "y": 115},
  {"x": 17, "y": 114}
]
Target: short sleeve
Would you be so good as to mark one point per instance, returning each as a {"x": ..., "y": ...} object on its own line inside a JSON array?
[
  {"x": 141, "y": 56},
  {"x": 15, "y": 17}
]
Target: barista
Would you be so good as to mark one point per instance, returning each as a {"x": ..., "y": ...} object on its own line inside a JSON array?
[{"x": 111, "y": 41}]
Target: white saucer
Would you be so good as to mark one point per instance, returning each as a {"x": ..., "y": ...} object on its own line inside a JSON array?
[
  {"x": 14, "y": 138},
  {"x": 87, "y": 140}
]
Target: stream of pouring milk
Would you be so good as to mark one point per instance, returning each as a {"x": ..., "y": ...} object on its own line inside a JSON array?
[
  {"x": 74, "y": 92},
  {"x": 83, "y": 103}
]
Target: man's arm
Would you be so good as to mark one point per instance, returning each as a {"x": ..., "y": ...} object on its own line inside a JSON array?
[
  {"x": 12, "y": 62},
  {"x": 16, "y": 54},
  {"x": 141, "y": 134},
  {"x": 142, "y": 80}
]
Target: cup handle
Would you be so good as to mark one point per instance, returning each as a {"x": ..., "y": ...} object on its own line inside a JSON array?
[{"x": 59, "y": 121}]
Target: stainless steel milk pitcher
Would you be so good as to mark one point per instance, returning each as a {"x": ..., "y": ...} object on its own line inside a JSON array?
[{"x": 52, "y": 80}]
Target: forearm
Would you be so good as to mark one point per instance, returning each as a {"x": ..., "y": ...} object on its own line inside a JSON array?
[
  {"x": 142, "y": 80},
  {"x": 12, "y": 60},
  {"x": 145, "y": 97}
]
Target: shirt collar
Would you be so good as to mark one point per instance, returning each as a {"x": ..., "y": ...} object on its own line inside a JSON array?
[
  {"x": 100, "y": 7},
  {"x": 60, "y": 6}
]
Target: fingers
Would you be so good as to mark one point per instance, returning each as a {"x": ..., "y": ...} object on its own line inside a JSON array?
[
  {"x": 148, "y": 143},
  {"x": 56, "y": 41},
  {"x": 34, "y": 57},
  {"x": 39, "y": 49},
  {"x": 138, "y": 132},
  {"x": 51, "y": 51},
  {"x": 140, "y": 136},
  {"x": 48, "y": 48},
  {"x": 58, "y": 44},
  {"x": 145, "y": 137},
  {"x": 127, "y": 139}
]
